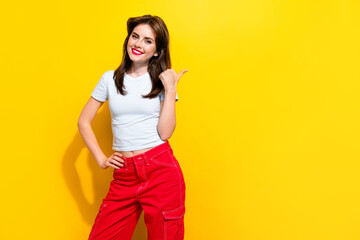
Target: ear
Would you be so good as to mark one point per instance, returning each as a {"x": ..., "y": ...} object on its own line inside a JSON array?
[{"x": 156, "y": 54}]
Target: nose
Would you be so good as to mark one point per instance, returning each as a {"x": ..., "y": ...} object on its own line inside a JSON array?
[{"x": 138, "y": 44}]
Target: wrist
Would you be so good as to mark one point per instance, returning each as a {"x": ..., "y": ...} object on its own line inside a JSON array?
[
  {"x": 102, "y": 163},
  {"x": 170, "y": 93},
  {"x": 170, "y": 90}
]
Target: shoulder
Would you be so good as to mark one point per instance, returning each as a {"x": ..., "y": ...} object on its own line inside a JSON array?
[{"x": 108, "y": 75}]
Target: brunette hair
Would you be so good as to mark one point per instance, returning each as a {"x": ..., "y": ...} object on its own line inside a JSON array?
[{"x": 157, "y": 64}]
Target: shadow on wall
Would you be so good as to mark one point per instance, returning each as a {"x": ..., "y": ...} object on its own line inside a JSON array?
[{"x": 101, "y": 178}]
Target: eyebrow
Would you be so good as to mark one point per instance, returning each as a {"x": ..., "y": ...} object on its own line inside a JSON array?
[{"x": 145, "y": 37}]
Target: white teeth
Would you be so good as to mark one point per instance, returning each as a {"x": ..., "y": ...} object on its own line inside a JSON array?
[{"x": 136, "y": 51}]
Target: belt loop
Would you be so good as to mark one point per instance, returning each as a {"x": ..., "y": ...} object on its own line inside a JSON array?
[{"x": 145, "y": 158}]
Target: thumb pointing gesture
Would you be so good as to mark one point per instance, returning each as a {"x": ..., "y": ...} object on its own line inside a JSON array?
[
  {"x": 181, "y": 73},
  {"x": 170, "y": 78}
]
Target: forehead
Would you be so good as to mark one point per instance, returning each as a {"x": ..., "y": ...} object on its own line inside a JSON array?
[{"x": 144, "y": 30}]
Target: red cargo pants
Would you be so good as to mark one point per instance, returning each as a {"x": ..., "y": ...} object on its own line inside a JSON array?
[{"x": 151, "y": 181}]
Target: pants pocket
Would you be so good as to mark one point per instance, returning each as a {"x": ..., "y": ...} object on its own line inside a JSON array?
[
  {"x": 164, "y": 158},
  {"x": 174, "y": 223}
]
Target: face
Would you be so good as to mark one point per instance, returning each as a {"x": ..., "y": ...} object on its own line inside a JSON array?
[{"x": 141, "y": 45}]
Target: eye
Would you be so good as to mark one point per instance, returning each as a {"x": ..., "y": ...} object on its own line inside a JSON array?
[
  {"x": 134, "y": 35},
  {"x": 148, "y": 41}
]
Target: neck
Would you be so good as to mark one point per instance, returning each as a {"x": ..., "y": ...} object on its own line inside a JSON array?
[{"x": 137, "y": 69}]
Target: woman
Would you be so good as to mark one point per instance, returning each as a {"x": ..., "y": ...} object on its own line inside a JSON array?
[{"x": 146, "y": 175}]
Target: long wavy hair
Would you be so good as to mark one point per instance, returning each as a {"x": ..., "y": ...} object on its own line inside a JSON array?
[{"x": 157, "y": 64}]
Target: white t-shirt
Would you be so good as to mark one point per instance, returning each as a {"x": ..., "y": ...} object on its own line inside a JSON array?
[{"x": 134, "y": 119}]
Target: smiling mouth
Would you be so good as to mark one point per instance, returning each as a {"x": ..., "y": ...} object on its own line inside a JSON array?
[{"x": 136, "y": 52}]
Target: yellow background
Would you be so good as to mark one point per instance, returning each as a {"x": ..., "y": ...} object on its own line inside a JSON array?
[{"x": 267, "y": 119}]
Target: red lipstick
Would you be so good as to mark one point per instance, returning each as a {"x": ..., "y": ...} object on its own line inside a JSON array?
[{"x": 137, "y": 52}]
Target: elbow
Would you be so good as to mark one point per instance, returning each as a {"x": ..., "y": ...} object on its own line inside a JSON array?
[
  {"x": 165, "y": 137},
  {"x": 81, "y": 124},
  {"x": 165, "y": 134},
  {"x": 80, "y": 127},
  {"x": 165, "y": 129}
]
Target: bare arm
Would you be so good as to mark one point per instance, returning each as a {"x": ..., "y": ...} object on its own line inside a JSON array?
[
  {"x": 84, "y": 125},
  {"x": 167, "y": 119}
]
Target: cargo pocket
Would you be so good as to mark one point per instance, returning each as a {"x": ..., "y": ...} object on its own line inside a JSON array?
[{"x": 174, "y": 223}]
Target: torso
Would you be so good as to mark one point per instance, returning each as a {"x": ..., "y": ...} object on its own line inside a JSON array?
[
  {"x": 135, "y": 152},
  {"x": 132, "y": 115}
]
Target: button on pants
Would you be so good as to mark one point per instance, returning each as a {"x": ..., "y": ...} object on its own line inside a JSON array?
[{"x": 151, "y": 181}]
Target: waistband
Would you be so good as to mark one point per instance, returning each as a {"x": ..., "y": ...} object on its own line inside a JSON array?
[{"x": 148, "y": 154}]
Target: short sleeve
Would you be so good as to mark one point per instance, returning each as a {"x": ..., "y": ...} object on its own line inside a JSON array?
[
  {"x": 162, "y": 95},
  {"x": 100, "y": 91}
]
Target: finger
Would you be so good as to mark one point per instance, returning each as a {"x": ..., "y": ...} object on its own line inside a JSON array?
[
  {"x": 118, "y": 159},
  {"x": 117, "y": 163},
  {"x": 118, "y": 154},
  {"x": 182, "y": 72},
  {"x": 113, "y": 166}
]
